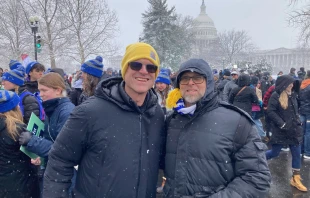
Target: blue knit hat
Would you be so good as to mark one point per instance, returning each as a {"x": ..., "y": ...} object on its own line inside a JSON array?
[
  {"x": 14, "y": 64},
  {"x": 29, "y": 66},
  {"x": 15, "y": 76},
  {"x": 163, "y": 77},
  {"x": 93, "y": 67},
  {"x": 8, "y": 100}
]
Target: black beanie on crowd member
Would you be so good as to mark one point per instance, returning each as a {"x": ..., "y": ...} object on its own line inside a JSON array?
[
  {"x": 283, "y": 82},
  {"x": 226, "y": 72}
]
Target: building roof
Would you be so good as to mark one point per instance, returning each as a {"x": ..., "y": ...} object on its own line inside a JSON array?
[{"x": 203, "y": 20}]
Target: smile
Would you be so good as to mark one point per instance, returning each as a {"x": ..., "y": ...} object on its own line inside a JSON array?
[{"x": 142, "y": 79}]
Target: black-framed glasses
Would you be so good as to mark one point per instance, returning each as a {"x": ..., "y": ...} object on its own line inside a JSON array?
[
  {"x": 196, "y": 79},
  {"x": 136, "y": 66}
]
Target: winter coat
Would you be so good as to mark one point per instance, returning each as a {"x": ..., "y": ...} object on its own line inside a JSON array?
[
  {"x": 291, "y": 133},
  {"x": 265, "y": 84},
  {"x": 220, "y": 87},
  {"x": 304, "y": 98},
  {"x": 228, "y": 88},
  {"x": 246, "y": 97},
  {"x": 200, "y": 159},
  {"x": 18, "y": 177},
  {"x": 31, "y": 86},
  {"x": 75, "y": 95},
  {"x": 268, "y": 95},
  {"x": 57, "y": 112},
  {"x": 30, "y": 105},
  {"x": 115, "y": 143},
  {"x": 83, "y": 97}
]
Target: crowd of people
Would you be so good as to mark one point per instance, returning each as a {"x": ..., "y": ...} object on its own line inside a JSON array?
[{"x": 107, "y": 134}]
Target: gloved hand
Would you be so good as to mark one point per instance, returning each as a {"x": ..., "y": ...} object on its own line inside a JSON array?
[
  {"x": 24, "y": 138},
  {"x": 260, "y": 103}
]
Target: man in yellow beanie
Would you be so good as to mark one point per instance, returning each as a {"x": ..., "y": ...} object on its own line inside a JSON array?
[{"x": 115, "y": 136}]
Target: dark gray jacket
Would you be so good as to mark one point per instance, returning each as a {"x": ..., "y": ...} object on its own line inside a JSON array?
[
  {"x": 227, "y": 89},
  {"x": 115, "y": 143},
  {"x": 200, "y": 157}
]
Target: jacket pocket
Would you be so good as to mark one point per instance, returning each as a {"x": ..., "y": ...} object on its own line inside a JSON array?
[{"x": 260, "y": 146}]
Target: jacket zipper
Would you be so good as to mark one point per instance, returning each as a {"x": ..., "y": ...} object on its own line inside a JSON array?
[{"x": 140, "y": 153}]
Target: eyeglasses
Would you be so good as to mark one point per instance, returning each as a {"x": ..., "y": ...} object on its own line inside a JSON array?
[
  {"x": 136, "y": 66},
  {"x": 196, "y": 79},
  {"x": 234, "y": 74}
]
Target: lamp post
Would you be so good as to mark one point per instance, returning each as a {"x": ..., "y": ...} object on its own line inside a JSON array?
[{"x": 34, "y": 24}]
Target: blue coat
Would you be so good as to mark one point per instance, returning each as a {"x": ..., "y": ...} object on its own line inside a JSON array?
[{"x": 57, "y": 112}]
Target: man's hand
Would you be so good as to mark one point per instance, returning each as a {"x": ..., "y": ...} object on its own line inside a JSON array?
[{"x": 24, "y": 138}]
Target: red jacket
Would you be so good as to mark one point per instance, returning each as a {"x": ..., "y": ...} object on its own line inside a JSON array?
[{"x": 268, "y": 95}]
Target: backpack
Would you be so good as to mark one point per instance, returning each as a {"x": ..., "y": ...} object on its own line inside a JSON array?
[{"x": 38, "y": 99}]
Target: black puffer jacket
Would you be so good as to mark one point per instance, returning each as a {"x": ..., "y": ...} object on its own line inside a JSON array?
[
  {"x": 31, "y": 86},
  {"x": 75, "y": 95},
  {"x": 30, "y": 105},
  {"x": 18, "y": 177},
  {"x": 200, "y": 159},
  {"x": 115, "y": 143},
  {"x": 304, "y": 98},
  {"x": 291, "y": 133},
  {"x": 246, "y": 97}
]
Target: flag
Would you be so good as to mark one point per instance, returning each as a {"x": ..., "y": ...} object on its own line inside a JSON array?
[{"x": 26, "y": 60}]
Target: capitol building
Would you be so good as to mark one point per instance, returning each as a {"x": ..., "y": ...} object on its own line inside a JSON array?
[
  {"x": 282, "y": 59},
  {"x": 205, "y": 31}
]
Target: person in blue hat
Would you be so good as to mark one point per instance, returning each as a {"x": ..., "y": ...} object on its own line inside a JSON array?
[
  {"x": 17, "y": 176},
  {"x": 13, "y": 80},
  {"x": 162, "y": 88},
  {"x": 34, "y": 71},
  {"x": 92, "y": 71}
]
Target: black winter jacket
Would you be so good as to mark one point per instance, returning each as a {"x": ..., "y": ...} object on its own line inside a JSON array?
[
  {"x": 220, "y": 87},
  {"x": 246, "y": 97},
  {"x": 18, "y": 177},
  {"x": 200, "y": 156},
  {"x": 115, "y": 143},
  {"x": 304, "y": 99},
  {"x": 291, "y": 133},
  {"x": 30, "y": 105},
  {"x": 31, "y": 86},
  {"x": 75, "y": 95}
]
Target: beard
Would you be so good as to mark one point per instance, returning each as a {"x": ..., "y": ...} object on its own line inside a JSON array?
[{"x": 190, "y": 98}]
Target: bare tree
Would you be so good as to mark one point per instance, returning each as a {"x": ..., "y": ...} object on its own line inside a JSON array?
[
  {"x": 14, "y": 32},
  {"x": 52, "y": 28},
  {"x": 301, "y": 19},
  {"x": 233, "y": 43},
  {"x": 92, "y": 28}
]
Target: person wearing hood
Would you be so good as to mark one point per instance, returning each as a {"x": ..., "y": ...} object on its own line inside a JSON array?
[
  {"x": 115, "y": 136},
  {"x": 286, "y": 126},
  {"x": 304, "y": 108},
  {"x": 92, "y": 71},
  {"x": 243, "y": 96},
  {"x": 212, "y": 148}
]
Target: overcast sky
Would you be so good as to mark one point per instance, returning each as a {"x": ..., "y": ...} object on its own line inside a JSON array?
[{"x": 264, "y": 20}]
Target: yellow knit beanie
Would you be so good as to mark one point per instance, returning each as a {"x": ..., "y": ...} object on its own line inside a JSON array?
[{"x": 138, "y": 51}]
